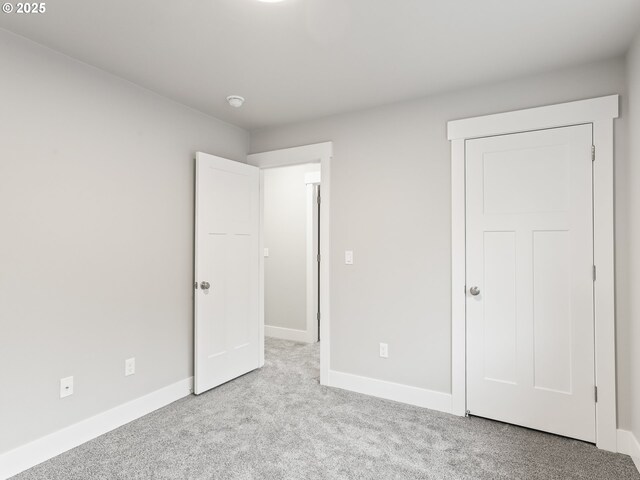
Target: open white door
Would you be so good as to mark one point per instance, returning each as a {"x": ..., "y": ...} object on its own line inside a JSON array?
[{"x": 227, "y": 276}]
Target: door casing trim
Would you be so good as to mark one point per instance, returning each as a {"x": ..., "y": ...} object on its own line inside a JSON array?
[
  {"x": 600, "y": 112},
  {"x": 321, "y": 153}
]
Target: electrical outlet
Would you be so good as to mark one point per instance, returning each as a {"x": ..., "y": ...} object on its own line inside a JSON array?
[
  {"x": 66, "y": 387},
  {"x": 384, "y": 350},
  {"x": 129, "y": 366}
]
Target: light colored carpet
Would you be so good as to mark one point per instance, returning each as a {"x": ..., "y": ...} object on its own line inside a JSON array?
[{"x": 279, "y": 423}]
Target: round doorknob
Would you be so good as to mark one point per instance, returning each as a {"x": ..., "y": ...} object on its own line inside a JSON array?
[
  {"x": 474, "y": 291},
  {"x": 205, "y": 285}
]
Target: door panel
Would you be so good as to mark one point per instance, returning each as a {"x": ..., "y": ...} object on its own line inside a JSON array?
[
  {"x": 500, "y": 310},
  {"x": 552, "y": 310},
  {"x": 530, "y": 337},
  {"x": 526, "y": 180},
  {"x": 227, "y": 322}
]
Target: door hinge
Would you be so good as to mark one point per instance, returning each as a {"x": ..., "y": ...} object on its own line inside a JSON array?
[
  {"x": 319, "y": 199},
  {"x": 594, "y": 273},
  {"x": 595, "y": 393},
  {"x": 593, "y": 153},
  {"x": 318, "y": 258},
  {"x": 195, "y": 285},
  {"x": 318, "y": 316}
]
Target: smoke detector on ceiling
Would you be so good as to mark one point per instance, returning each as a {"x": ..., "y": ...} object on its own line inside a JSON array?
[{"x": 235, "y": 100}]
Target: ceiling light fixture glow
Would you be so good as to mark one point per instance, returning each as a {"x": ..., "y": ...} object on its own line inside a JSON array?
[{"x": 270, "y": 1}]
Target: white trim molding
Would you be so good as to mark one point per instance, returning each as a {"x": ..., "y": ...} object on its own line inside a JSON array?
[
  {"x": 600, "y": 112},
  {"x": 420, "y": 397},
  {"x": 316, "y": 153},
  {"x": 313, "y": 153},
  {"x": 292, "y": 334},
  {"x": 31, "y": 454},
  {"x": 538, "y": 118},
  {"x": 312, "y": 180},
  {"x": 629, "y": 445}
]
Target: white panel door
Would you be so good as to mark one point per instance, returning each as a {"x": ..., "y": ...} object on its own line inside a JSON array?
[
  {"x": 530, "y": 323},
  {"x": 227, "y": 321}
]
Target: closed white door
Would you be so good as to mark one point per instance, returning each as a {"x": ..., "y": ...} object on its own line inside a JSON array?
[
  {"x": 227, "y": 321},
  {"x": 530, "y": 323}
]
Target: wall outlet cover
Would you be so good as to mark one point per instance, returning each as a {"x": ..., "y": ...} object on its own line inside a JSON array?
[
  {"x": 66, "y": 387},
  {"x": 384, "y": 350},
  {"x": 129, "y": 366}
]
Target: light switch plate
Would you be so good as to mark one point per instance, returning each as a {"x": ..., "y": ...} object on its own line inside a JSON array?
[
  {"x": 129, "y": 366},
  {"x": 266, "y": 252},
  {"x": 348, "y": 257},
  {"x": 66, "y": 387},
  {"x": 384, "y": 350}
]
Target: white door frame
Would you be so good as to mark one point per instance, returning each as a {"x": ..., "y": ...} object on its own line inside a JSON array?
[
  {"x": 315, "y": 153},
  {"x": 312, "y": 180},
  {"x": 600, "y": 112}
]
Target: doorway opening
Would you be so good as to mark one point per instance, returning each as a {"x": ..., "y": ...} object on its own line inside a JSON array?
[
  {"x": 291, "y": 233},
  {"x": 315, "y": 161}
]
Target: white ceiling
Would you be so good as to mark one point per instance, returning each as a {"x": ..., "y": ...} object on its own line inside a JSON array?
[{"x": 302, "y": 59}]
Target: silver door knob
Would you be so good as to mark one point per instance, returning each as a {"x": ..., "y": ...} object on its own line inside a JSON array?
[
  {"x": 205, "y": 285},
  {"x": 474, "y": 291}
]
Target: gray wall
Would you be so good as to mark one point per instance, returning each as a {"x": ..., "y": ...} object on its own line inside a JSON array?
[
  {"x": 390, "y": 190},
  {"x": 631, "y": 309},
  {"x": 96, "y": 251},
  {"x": 285, "y": 235}
]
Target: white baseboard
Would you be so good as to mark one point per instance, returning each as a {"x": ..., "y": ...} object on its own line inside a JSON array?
[
  {"x": 629, "y": 445},
  {"x": 24, "y": 457},
  {"x": 287, "y": 334},
  {"x": 420, "y": 397}
]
